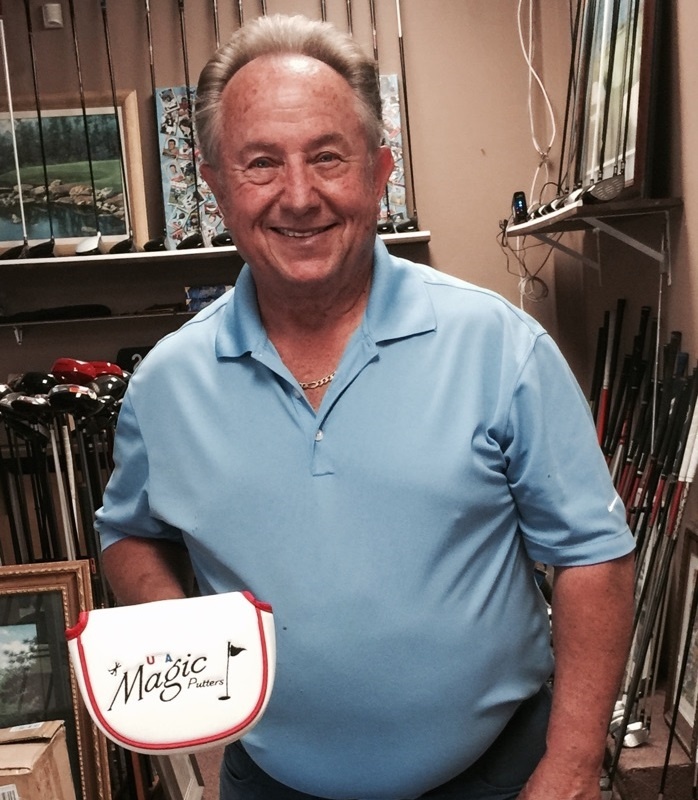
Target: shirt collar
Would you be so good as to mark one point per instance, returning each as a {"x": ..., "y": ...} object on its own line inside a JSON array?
[{"x": 398, "y": 306}]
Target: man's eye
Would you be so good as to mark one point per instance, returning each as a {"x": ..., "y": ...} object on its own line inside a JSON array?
[
  {"x": 260, "y": 163},
  {"x": 326, "y": 158}
]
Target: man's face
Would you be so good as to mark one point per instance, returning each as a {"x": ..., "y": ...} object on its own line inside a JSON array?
[{"x": 297, "y": 183}]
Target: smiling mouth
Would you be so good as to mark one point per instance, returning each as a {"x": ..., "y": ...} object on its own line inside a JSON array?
[{"x": 304, "y": 234}]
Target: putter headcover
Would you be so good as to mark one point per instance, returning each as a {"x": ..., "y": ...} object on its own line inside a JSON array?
[{"x": 176, "y": 676}]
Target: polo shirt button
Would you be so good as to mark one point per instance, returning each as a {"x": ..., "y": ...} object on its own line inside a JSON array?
[
  {"x": 296, "y": 394},
  {"x": 319, "y": 436}
]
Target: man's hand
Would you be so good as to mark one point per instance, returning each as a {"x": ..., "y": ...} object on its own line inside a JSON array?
[
  {"x": 592, "y": 621},
  {"x": 559, "y": 782}
]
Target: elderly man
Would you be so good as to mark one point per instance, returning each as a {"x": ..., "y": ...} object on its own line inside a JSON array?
[{"x": 380, "y": 451}]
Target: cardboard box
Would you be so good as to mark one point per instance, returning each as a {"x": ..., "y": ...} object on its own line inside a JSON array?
[{"x": 34, "y": 763}]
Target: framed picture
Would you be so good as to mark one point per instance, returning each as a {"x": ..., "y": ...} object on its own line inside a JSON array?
[
  {"x": 687, "y": 719},
  {"x": 80, "y": 153},
  {"x": 180, "y": 776},
  {"x": 37, "y": 603},
  {"x": 611, "y": 96},
  {"x": 190, "y": 206}
]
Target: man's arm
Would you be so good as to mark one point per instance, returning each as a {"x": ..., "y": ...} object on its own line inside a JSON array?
[
  {"x": 592, "y": 621},
  {"x": 141, "y": 570}
]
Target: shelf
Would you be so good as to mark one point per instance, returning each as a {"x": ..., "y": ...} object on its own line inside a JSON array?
[
  {"x": 602, "y": 217},
  {"x": 18, "y": 327},
  {"x": 203, "y": 255},
  {"x": 175, "y": 256}
]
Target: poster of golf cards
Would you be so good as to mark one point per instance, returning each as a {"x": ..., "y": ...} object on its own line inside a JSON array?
[{"x": 190, "y": 206}]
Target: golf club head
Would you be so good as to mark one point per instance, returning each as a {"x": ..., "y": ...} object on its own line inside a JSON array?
[
  {"x": 108, "y": 386},
  {"x": 17, "y": 252},
  {"x": 124, "y": 246},
  {"x": 191, "y": 242},
  {"x": 42, "y": 250},
  {"x": 72, "y": 398},
  {"x": 407, "y": 225},
  {"x": 35, "y": 383},
  {"x": 223, "y": 239},
  {"x": 155, "y": 245},
  {"x": 604, "y": 190},
  {"x": 106, "y": 368},
  {"x": 636, "y": 734},
  {"x": 32, "y": 407},
  {"x": 90, "y": 246},
  {"x": 70, "y": 370}
]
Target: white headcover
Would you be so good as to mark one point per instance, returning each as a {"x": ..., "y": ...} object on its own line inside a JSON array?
[{"x": 176, "y": 676}]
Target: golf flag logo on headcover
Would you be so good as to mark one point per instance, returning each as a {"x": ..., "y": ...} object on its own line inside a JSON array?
[{"x": 176, "y": 676}]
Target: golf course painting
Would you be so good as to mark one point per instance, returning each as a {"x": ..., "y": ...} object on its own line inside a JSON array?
[{"x": 81, "y": 190}]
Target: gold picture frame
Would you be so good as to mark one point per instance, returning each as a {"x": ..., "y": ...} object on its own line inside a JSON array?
[{"x": 37, "y": 683}]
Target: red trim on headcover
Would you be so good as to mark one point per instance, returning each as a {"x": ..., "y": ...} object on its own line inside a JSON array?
[
  {"x": 78, "y": 628},
  {"x": 257, "y": 603}
]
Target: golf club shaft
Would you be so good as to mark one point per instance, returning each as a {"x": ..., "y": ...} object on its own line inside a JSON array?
[
  {"x": 216, "y": 24},
  {"x": 190, "y": 107},
  {"x": 115, "y": 105},
  {"x": 13, "y": 132},
  {"x": 83, "y": 107},
  {"x": 39, "y": 118},
  {"x": 374, "y": 32},
  {"x": 408, "y": 133}
]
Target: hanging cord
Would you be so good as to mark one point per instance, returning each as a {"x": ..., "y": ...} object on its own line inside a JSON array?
[
  {"x": 531, "y": 287},
  {"x": 527, "y": 50}
]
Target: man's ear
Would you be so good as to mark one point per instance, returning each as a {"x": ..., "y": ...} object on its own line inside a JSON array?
[{"x": 382, "y": 167}]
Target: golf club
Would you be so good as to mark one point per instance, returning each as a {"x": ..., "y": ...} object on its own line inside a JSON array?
[
  {"x": 158, "y": 243},
  {"x": 410, "y": 224},
  {"x": 43, "y": 249},
  {"x": 20, "y": 251},
  {"x": 194, "y": 240},
  {"x": 91, "y": 245},
  {"x": 127, "y": 245},
  {"x": 350, "y": 20}
]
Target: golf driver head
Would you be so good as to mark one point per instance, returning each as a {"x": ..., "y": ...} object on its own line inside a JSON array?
[
  {"x": 90, "y": 246},
  {"x": 32, "y": 407},
  {"x": 124, "y": 246},
  {"x": 75, "y": 399},
  {"x": 407, "y": 225},
  {"x": 106, "y": 368},
  {"x": 223, "y": 239},
  {"x": 38, "y": 383},
  {"x": 71, "y": 370},
  {"x": 14, "y": 253},
  {"x": 191, "y": 242},
  {"x": 155, "y": 245},
  {"x": 42, "y": 250},
  {"x": 111, "y": 386}
]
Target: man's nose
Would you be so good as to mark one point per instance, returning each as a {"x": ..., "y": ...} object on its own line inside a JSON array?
[{"x": 300, "y": 187}]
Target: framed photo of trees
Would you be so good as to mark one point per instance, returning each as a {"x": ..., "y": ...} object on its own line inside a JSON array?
[
  {"x": 37, "y": 603},
  {"x": 72, "y": 168}
]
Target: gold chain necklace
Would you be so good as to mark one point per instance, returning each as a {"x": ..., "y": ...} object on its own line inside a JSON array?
[{"x": 316, "y": 384}]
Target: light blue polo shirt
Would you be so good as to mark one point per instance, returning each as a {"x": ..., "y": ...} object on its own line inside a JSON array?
[{"x": 392, "y": 532}]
